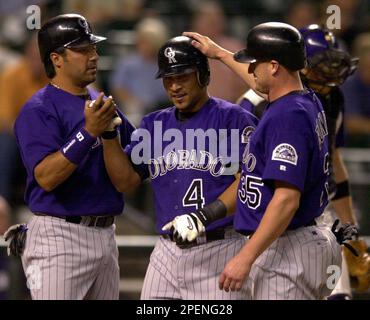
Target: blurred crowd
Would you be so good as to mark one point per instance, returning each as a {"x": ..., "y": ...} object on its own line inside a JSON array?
[{"x": 135, "y": 30}]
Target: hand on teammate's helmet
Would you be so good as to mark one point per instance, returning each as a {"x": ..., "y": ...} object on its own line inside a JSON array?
[{"x": 185, "y": 228}]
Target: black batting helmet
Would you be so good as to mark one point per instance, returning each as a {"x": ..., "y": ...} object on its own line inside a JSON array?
[
  {"x": 274, "y": 41},
  {"x": 178, "y": 56},
  {"x": 65, "y": 31}
]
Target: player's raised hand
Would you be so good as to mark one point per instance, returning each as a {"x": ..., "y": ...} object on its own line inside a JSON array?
[
  {"x": 96, "y": 104},
  {"x": 206, "y": 45},
  {"x": 99, "y": 114},
  {"x": 234, "y": 274},
  {"x": 185, "y": 228}
]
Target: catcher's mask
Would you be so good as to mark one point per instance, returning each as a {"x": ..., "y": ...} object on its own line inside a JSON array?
[{"x": 328, "y": 65}]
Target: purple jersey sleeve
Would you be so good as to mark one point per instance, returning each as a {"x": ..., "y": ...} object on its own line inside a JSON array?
[
  {"x": 247, "y": 105},
  {"x": 287, "y": 153},
  {"x": 40, "y": 134}
]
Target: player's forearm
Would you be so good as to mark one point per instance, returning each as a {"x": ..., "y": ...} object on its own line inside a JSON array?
[
  {"x": 343, "y": 205},
  {"x": 340, "y": 172},
  {"x": 241, "y": 69},
  {"x": 275, "y": 221},
  {"x": 119, "y": 167},
  {"x": 344, "y": 210},
  {"x": 53, "y": 170},
  {"x": 228, "y": 197}
]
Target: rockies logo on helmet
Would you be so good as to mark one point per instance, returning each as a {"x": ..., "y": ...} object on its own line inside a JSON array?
[
  {"x": 169, "y": 53},
  {"x": 83, "y": 24}
]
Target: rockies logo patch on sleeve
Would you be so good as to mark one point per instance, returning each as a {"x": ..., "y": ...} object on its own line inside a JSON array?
[{"x": 286, "y": 153}]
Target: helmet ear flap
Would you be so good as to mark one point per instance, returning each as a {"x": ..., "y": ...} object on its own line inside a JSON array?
[
  {"x": 206, "y": 77},
  {"x": 200, "y": 82},
  {"x": 203, "y": 77},
  {"x": 204, "y": 72}
]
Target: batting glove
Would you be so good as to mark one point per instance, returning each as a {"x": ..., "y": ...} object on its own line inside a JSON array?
[
  {"x": 16, "y": 235},
  {"x": 116, "y": 121},
  {"x": 345, "y": 233},
  {"x": 185, "y": 228}
]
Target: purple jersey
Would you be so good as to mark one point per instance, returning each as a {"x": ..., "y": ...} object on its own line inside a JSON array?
[
  {"x": 253, "y": 103},
  {"x": 46, "y": 122},
  {"x": 247, "y": 105},
  {"x": 188, "y": 176},
  {"x": 290, "y": 144}
]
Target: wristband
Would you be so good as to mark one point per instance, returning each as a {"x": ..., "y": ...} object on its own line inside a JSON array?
[
  {"x": 342, "y": 190},
  {"x": 211, "y": 212},
  {"x": 77, "y": 148},
  {"x": 108, "y": 135},
  {"x": 253, "y": 97}
]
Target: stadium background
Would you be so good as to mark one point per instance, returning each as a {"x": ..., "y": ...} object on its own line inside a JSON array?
[{"x": 129, "y": 26}]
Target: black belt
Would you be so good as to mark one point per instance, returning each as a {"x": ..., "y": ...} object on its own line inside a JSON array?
[
  {"x": 309, "y": 224},
  {"x": 89, "y": 221},
  {"x": 246, "y": 233},
  {"x": 217, "y": 234}
]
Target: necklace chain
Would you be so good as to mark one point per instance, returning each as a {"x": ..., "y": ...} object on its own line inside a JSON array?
[{"x": 54, "y": 85}]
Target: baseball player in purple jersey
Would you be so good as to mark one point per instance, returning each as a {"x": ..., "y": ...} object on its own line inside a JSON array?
[
  {"x": 284, "y": 180},
  {"x": 70, "y": 250},
  {"x": 193, "y": 182},
  {"x": 328, "y": 66}
]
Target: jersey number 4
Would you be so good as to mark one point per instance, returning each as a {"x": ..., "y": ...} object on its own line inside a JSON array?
[
  {"x": 194, "y": 195},
  {"x": 249, "y": 192}
]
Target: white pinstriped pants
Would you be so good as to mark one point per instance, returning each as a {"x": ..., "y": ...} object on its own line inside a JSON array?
[
  {"x": 69, "y": 261},
  {"x": 295, "y": 266},
  {"x": 193, "y": 273}
]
